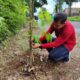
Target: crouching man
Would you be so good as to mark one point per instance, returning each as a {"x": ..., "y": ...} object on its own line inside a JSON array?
[{"x": 65, "y": 39}]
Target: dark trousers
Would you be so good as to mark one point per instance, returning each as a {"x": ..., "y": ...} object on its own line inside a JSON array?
[{"x": 58, "y": 53}]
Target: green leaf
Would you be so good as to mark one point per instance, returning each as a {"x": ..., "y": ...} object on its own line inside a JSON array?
[
  {"x": 48, "y": 37},
  {"x": 43, "y": 33},
  {"x": 36, "y": 39}
]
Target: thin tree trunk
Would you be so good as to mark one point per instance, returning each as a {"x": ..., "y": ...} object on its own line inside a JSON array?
[
  {"x": 31, "y": 11},
  {"x": 30, "y": 34},
  {"x": 70, "y": 9},
  {"x": 56, "y": 8},
  {"x": 60, "y": 5},
  {"x": 30, "y": 24}
]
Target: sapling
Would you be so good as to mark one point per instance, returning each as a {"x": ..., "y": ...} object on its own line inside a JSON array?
[
  {"x": 31, "y": 5},
  {"x": 44, "y": 19}
]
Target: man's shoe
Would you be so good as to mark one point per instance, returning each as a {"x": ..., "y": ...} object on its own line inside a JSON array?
[{"x": 66, "y": 59}]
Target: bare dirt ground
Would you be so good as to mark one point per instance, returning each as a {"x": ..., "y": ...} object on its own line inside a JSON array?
[{"x": 14, "y": 58}]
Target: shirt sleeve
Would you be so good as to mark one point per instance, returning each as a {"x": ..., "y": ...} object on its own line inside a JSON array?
[
  {"x": 59, "y": 41},
  {"x": 50, "y": 30}
]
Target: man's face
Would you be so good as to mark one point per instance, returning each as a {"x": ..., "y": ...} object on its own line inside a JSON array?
[{"x": 58, "y": 25}]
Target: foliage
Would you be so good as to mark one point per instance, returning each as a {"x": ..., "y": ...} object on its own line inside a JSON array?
[
  {"x": 44, "y": 1},
  {"x": 44, "y": 16},
  {"x": 56, "y": 8},
  {"x": 14, "y": 13},
  {"x": 48, "y": 38},
  {"x": 37, "y": 4},
  {"x": 4, "y": 32},
  {"x": 69, "y": 2},
  {"x": 36, "y": 39}
]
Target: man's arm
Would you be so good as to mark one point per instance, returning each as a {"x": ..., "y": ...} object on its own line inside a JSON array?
[
  {"x": 59, "y": 41},
  {"x": 50, "y": 30}
]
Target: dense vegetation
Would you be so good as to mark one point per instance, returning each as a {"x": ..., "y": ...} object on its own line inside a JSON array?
[{"x": 12, "y": 17}]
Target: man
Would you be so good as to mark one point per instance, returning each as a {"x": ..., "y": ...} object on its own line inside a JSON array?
[{"x": 65, "y": 39}]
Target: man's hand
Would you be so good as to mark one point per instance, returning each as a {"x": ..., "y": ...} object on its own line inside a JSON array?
[{"x": 35, "y": 45}]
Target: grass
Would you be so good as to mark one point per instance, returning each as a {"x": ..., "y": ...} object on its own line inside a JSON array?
[{"x": 74, "y": 18}]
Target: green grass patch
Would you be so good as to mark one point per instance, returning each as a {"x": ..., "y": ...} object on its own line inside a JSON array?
[{"x": 74, "y": 18}]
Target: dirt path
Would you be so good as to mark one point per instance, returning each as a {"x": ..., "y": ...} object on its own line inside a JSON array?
[{"x": 14, "y": 56}]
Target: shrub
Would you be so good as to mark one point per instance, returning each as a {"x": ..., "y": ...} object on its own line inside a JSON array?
[
  {"x": 4, "y": 32},
  {"x": 14, "y": 13}
]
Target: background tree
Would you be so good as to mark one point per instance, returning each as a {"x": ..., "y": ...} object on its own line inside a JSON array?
[
  {"x": 60, "y": 2},
  {"x": 58, "y": 5},
  {"x": 69, "y": 2}
]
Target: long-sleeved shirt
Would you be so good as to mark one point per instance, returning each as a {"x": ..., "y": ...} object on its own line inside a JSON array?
[{"x": 65, "y": 36}]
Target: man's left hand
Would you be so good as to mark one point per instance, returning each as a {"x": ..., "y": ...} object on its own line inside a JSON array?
[{"x": 35, "y": 45}]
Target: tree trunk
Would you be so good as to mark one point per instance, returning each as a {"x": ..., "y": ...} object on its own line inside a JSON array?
[
  {"x": 31, "y": 6},
  {"x": 56, "y": 8},
  {"x": 60, "y": 5},
  {"x": 70, "y": 9}
]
